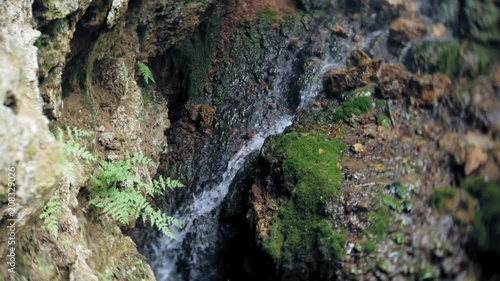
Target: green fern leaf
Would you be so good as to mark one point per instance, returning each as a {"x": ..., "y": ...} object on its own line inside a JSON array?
[
  {"x": 48, "y": 215},
  {"x": 145, "y": 72}
]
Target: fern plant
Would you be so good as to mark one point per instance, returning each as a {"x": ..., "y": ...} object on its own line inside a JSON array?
[
  {"x": 49, "y": 216},
  {"x": 120, "y": 193},
  {"x": 73, "y": 152},
  {"x": 73, "y": 156},
  {"x": 145, "y": 72}
]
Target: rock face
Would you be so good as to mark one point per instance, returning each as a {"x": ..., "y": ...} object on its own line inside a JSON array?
[
  {"x": 30, "y": 156},
  {"x": 79, "y": 71}
]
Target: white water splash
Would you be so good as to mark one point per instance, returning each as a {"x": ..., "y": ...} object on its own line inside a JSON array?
[{"x": 166, "y": 249}]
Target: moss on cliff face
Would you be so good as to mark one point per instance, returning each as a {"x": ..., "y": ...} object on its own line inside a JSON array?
[
  {"x": 193, "y": 56},
  {"x": 299, "y": 227},
  {"x": 252, "y": 51},
  {"x": 486, "y": 226}
]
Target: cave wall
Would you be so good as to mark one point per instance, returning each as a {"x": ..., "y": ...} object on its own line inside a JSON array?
[{"x": 73, "y": 64}]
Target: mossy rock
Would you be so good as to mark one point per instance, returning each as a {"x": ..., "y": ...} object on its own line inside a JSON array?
[
  {"x": 336, "y": 112},
  {"x": 299, "y": 227},
  {"x": 434, "y": 57},
  {"x": 450, "y": 58},
  {"x": 486, "y": 226},
  {"x": 193, "y": 56}
]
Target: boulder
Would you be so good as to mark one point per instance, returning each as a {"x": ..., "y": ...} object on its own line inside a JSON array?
[
  {"x": 392, "y": 80},
  {"x": 406, "y": 29},
  {"x": 427, "y": 90},
  {"x": 360, "y": 71}
]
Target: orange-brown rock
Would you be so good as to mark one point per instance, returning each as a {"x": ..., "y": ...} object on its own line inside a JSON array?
[
  {"x": 404, "y": 30},
  {"x": 251, "y": 134},
  {"x": 438, "y": 31},
  {"x": 496, "y": 77},
  {"x": 392, "y": 79},
  {"x": 357, "y": 58},
  {"x": 428, "y": 89},
  {"x": 339, "y": 31},
  {"x": 361, "y": 71},
  {"x": 204, "y": 116}
]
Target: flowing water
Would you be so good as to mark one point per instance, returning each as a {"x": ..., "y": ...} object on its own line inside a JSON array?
[
  {"x": 196, "y": 242},
  {"x": 199, "y": 218}
]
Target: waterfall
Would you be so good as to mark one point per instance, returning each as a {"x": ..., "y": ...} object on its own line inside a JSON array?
[
  {"x": 201, "y": 208},
  {"x": 199, "y": 218},
  {"x": 196, "y": 240}
]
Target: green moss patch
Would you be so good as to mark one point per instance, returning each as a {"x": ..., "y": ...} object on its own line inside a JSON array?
[
  {"x": 434, "y": 56},
  {"x": 449, "y": 58},
  {"x": 356, "y": 107},
  {"x": 298, "y": 228},
  {"x": 379, "y": 222},
  {"x": 193, "y": 56},
  {"x": 268, "y": 15},
  {"x": 441, "y": 195},
  {"x": 336, "y": 112},
  {"x": 486, "y": 230}
]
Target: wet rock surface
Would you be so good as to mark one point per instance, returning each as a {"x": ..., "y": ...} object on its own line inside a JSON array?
[
  {"x": 403, "y": 159},
  {"x": 361, "y": 70},
  {"x": 391, "y": 173}
]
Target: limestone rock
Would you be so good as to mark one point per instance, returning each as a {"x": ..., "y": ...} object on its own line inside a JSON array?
[
  {"x": 117, "y": 11},
  {"x": 55, "y": 9},
  {"x": 28, "y": 151},
  {"x": 471, "y": 150}
]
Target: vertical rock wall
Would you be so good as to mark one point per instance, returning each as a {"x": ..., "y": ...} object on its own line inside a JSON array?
[{"x": 73, "y": 63}]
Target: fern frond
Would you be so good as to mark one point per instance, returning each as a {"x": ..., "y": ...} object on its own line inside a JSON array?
[
  {"x": 68, "y": 171},
  {"x": 119, "y": 191},
  {"x": 160, "y": 185},
  {"x": 174, "y": 183},
  {"x": 145, "y": 72},
  {"x": 48, "y": 215},
  {"x": 138, "y": 159},
  {"x": 73, "y": 152}
]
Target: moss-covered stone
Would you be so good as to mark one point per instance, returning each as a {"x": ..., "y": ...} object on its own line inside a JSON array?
[
  {"x": 441, "y": 195},
  {"x": 450, "y": 58},
  {"x": 336, "y": 112},
  {"x": 379, "y": 222},
  {"x": 433, "y": 56},
  {"x": 299, "y": 227},
  {"x": 357, "y": 106},
  {"x": 487, "y": 218}
]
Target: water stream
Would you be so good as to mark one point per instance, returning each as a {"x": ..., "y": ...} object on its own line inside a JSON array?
[
  {"x": 200, "y": 216},
  {"x": 196, "y": 242}
]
